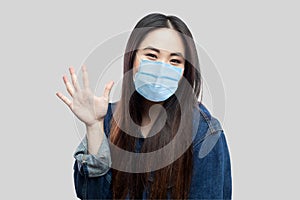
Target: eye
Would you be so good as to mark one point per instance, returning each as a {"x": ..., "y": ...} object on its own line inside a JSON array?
[
  {"x": 176, "y": 61},
  {"x": 151, "y": 55}
]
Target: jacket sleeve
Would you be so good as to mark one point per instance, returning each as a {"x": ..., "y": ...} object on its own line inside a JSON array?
[
  {"x": 227, "y": 185},
  {"x": 218, "y": 165},
  {"x": 91, "y": 187},
  {"x": 216, "y": 142},
  {"x": 212, "y": 175},
  {"x": 92, "y": 173},
  {"x": 96, "y": 165}
]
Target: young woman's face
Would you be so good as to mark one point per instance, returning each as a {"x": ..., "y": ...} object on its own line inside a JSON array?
[{"x": 164, "y": 45}]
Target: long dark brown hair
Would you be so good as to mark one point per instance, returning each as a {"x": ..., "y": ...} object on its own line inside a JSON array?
[{"x": 175, "y": 177}]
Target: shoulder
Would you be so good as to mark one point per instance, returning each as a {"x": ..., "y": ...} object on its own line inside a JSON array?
[
  {"x": 206, "y": 123},
  {"x": 213, "y": 124},
  {"x": 208, "y": 132}
]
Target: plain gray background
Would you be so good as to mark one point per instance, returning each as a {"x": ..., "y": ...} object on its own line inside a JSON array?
[{"x": 254, "y": 44}]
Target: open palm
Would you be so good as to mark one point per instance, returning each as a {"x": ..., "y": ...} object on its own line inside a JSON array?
[{"x": 85, "y": 105}]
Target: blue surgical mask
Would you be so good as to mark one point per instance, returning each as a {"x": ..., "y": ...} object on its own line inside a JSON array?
[{"x": 157, "y": 81}]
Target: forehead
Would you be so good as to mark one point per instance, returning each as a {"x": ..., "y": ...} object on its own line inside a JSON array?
[{"x": 164, "y": 39}]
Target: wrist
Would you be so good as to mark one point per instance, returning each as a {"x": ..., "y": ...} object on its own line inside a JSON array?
[{"x": 98, "y": 125}]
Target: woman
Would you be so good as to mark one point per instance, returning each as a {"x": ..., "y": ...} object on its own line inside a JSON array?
[{"x": 158, "y": 141}]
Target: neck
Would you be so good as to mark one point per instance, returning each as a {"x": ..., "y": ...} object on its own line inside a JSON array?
[
  {"x": 151, "y": 112},
  {"x": 148, "y": 104}
]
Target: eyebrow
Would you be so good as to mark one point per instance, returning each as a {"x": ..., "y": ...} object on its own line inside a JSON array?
[{"x": 158, "y": 51}]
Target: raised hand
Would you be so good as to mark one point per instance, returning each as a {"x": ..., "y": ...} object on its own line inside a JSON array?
[{"x": 88, "y": 108}]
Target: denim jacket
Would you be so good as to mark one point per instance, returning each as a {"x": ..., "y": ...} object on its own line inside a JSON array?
[{"x": 211, "y": 178}]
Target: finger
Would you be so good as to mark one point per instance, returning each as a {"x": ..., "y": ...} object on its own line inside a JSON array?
[
  {"x": 69, "y": 86},
  {"x": 107, "y": 89},
  {"x": 74, "y": 79},
  {"x": 64, "y": 99},
  {"x": 85, "y": 77}
]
